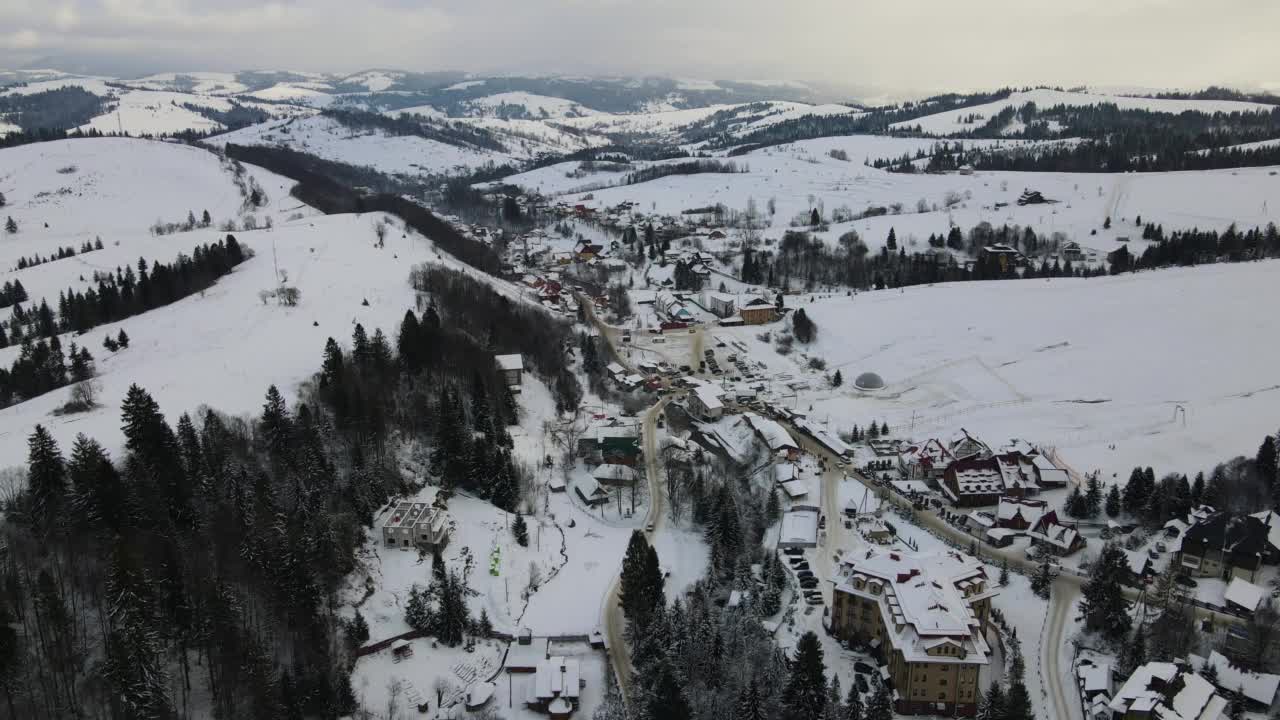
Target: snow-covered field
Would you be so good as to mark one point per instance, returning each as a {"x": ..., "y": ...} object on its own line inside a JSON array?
[
  {"x": 1081, "y": 365},
  {"x": 952, "y": 121},
  {"x": 224, "y": 346},
  {"x": 329, "y": 139},
  {"x": 799, "y": 176}
]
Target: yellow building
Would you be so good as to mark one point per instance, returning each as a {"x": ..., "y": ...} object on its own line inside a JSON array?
[{"x": 928, "y": 616}]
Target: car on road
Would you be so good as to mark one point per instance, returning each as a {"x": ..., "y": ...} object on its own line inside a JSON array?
[
  {"x": 648, "y": 527},
  {"x": 719, "y": 344}
]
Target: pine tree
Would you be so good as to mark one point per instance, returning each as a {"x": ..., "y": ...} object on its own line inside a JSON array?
[
  {"x": 357, "y": 631},
  {"x": 1077, "y": 506},
  {"x": 1018, "y": 703},
  {"x": 750, "y": 703},
  {"x": 641, "y": 580},
  {"x": 1134, "y": 653},
  {"x": 1134, "y": 492},
  {"x": 1093, "y": 497},
  {"x": 853, "y": 709},
  {"x": 1004, "y": 572},
  {"x": 991, "y": 706},
  {"x": 881, "y": 705},
  {"x": 1265, "y": 461},
  {"x": 1113, "y": 501},
  {"x": 1042, "y": 580},
  {"x": 46, "y": 479},
  {"x": 11, "y": 226},
  {"x": 837, "y": 379},
  {"x": 122, "y": 339},
  {"x": 520, "y": 531},
  {"x": 417, "y": 614},
  {"x": 805, "y": 694},
  {"x": 667, "y": 701},
  {"x": 1103, "y": 606}
]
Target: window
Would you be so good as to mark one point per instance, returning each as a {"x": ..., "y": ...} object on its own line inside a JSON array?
[{"x": 942, "y": 696}]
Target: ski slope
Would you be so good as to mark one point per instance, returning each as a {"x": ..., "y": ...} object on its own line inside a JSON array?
[
  {"x": 536, "y": 105},
  {"x": 951, "y": 122}
]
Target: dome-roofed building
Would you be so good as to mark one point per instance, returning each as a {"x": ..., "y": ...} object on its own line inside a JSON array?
[{"x": 869, "y": 381}]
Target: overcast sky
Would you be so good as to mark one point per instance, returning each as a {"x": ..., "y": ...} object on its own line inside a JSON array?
[{"x": 898, "y": 46}]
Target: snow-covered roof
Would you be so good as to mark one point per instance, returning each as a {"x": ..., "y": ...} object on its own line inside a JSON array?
[
  {"x": 795, "y": 489},
  {"x": 614, "y": 368},
  {"x": 773, "y": 433},
  {"x": 1259, "y": 687},
  {"x": 1144, "y": 692},
  {"x": 799, "y": 527},
  {"x": 922, "y": 598},
  {"x": 1244, "y": 593},
  {"x": 1095, "y": 678},
  {"x": 782, "y": 472},
  {"x": 1137, "y": 561},
  {"x": 1011, "y": 508},
  {"x": 1272, "y": 520},
  {"x": 708, "y": 396},
  {"x": 510, "y": 362},
  {"x": 930, "y": 453},
  {"x": 907, "y": 487},
  {"x": 611, "y": 473}
]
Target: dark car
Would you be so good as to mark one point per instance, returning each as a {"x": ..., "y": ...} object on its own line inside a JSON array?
[
  {"x": 793, "y": 551},
  {"x": 1186, "y": 581},
  {"x": 802, "y": 574},
  {"x": 861, "y": 682},
  {"x": 809, "y": 582},
  {"x": 861, "y": 667}
]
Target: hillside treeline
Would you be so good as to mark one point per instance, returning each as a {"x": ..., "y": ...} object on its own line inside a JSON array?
[{"x": 319, "y": 187}]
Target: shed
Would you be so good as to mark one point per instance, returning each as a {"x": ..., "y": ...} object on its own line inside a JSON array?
[
  {"x": 512, "y": 367},
  {"x": 1244, "y": 595}
]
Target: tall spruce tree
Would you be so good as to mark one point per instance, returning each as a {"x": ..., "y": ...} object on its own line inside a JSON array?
[
  {"x": 1103, "y": 606},
  {"x": 805, "y": 694}
]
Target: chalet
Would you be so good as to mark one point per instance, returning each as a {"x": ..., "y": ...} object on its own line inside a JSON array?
[
  {"x": 1259, "y": 689},
  {"x": 924, "y": 461},
  {"x": 704, "y": 402},
  {"x": 556, "y": 688},
  {"x": 758, "y": 311},
  {"x": 1015, "y": 514},
  {"x": 1094, "y": 680},
  {"x": 610, "y": 444},
  {"x": 1073, "y": 252},
  {"x": 1005, "y": 256},
  {"x": 1243, "y": 596},
  {"x": 1162, "y": 691},
  {"x": 973, "y": 482},
  {"x": 964, "y": 446},
  {"x": 416, "y": 524},
  {"x": 614, "y": 475},
  {"x": 512, "y": 369},
  {"x": 1139, "y": 569},
  {"x": 1055, "y": 538},
  {"x": 1226, "y": 546},
  {"x": 590, "y": 491}
]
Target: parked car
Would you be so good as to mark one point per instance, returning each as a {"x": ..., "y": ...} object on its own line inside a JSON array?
[
  {"x": 810, "y": 582},
  {"x": 805, "y": 573},
  {"x": 865, "y": 669},
  {"x": 861, "y": 682},
  {"x": 1185, "y": 581},
  {"x": 793, "y": 551}
]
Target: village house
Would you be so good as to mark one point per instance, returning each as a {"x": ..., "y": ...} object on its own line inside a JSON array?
[
  {"x": 964, "y": 446},
  {"x": 973, "y": 482},
  {"x": 925, "y": 461},
  {"x": 774, "y": 435},
  {"x": 614, "y": 475},
  {"x": 928, "y": 614},
  {"x": 1224, "y": 546},
  {"x": 1055, "y": 538},
  {"x": 590, "y": 491},
  {"x": 556, "y": 688},
  {"x": 1020, "y": 515},
  {"x": 758, "y": 311},
  {"x": 1258, "y": 689},
  {"x": 512, "y": 368},
  {"x": 721, "y": 305},
  {"x": 1161, "y": 691},
  {"x": 704, "y": 402},
  {"x": 616, "y": 444},
  {"x": 415, "y": 524}
]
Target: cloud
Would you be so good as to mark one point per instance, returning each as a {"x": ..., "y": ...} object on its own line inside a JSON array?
[{"x": 933, "y": 44}]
